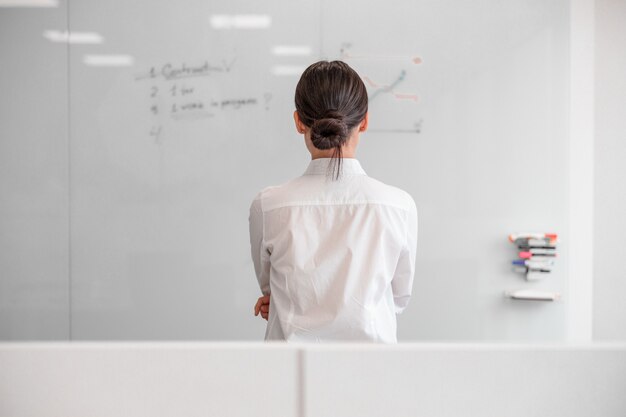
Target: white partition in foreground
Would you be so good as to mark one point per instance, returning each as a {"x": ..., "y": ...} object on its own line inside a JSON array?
[
  {"x": 459, "y": 380},
  {"x": 147, "y": 380},
  {"x": 336, "y": 380}
]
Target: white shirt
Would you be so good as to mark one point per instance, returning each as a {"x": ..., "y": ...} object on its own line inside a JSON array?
[{"x": 336, "y": 257}]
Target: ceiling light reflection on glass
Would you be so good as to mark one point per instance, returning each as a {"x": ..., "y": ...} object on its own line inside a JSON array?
[
  {"x": 291, "y": 50},
  {"x": 73, "y": 37},
  {"x": 109, "y": 60},
  {"x": 240, "y": 21},
  {"x": 29, "y": 3}
]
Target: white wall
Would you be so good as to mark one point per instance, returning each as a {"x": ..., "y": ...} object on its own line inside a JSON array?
[
  {"x": 609, "y": 308},
  {"x": 580, "y": 176}
]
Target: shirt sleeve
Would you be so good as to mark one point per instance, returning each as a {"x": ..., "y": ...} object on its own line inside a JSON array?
[
  {"x": 402, "y": 282},
  {"x": 260, "y": 255}
]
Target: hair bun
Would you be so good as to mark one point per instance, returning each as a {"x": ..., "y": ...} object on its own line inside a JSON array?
[{"x": 330, "y": 131}]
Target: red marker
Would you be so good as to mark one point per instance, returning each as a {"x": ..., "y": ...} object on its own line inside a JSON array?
[{"x": 530, "y": 255}]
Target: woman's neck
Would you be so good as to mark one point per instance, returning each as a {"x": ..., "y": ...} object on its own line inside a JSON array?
[{"x": 328, "y": 153}]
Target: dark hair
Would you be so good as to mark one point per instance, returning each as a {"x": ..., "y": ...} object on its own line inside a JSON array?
[{"x": 331, "y": 99}]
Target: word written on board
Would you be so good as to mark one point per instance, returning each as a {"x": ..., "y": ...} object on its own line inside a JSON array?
[
  {"x": 178, "y": 92},
  {"x": 169, "y": 71},
  {"x": 179, "y": 99}
]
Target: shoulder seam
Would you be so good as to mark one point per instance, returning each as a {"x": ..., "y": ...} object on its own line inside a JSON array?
[{"x": 337, "y": 203}]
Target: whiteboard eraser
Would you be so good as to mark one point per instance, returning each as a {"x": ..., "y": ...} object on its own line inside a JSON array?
[{"x": 533, "y": 295}]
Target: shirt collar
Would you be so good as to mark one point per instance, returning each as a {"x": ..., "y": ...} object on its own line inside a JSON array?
[{"x": 349, "y": 166}]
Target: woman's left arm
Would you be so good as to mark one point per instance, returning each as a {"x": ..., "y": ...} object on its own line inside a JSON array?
[{"x": 402, "y": 282}]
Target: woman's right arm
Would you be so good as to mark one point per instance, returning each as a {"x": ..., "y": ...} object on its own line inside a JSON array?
[{"x": 260, "y": 255}]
